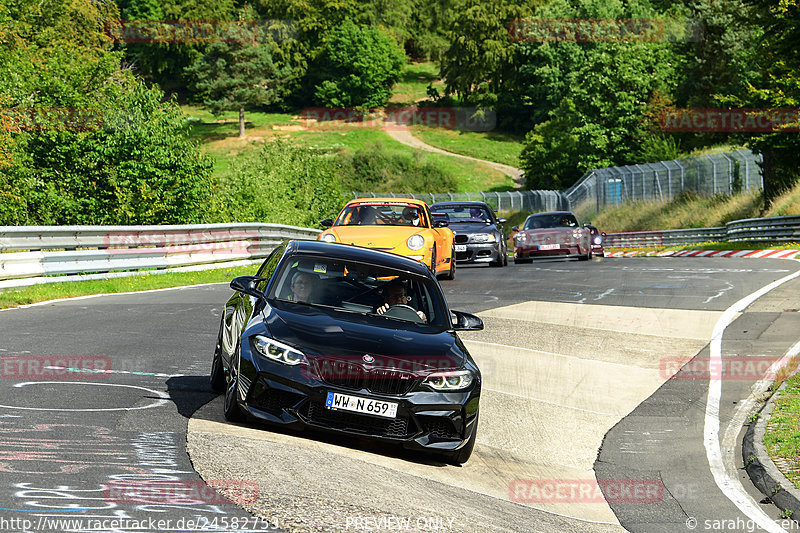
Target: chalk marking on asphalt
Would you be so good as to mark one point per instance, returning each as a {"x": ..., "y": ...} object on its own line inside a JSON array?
[
  {"x": 94, "y": 371},
  {"x": 730, "y": 485},
  {"x": 163, "y": 397}
]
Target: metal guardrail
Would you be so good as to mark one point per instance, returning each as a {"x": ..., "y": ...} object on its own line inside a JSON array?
[
  {"x": 30, "y": 251},
  {"x": 50, "y": 252},
  {"x": 772, "y": 229}
]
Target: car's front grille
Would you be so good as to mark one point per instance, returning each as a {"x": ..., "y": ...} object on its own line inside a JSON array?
[
  {"x": 461, "y": 238},
  {"x": 463, "y": 256},
  {"x": 377, "y": 380},
  {"x": 366, "y": 424}
]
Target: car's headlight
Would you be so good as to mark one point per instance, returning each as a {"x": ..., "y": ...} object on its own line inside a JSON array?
[
  {"x": 415, "y": 242},
  {"x": 520, "y": 239},
  {"x": 329, "y": 237},
  {"x": 450, "y": 381},
  {"x": 598, "y": 239},
  {"x": 483, "y": 237},
  {"x": 276, "y": 351}
]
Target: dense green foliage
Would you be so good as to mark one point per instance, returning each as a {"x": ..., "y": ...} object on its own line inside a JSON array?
[
  {"x": 374, "y": 168},
  {"x": 581, "y": 103},
  {"x": 357, "y": 67},
  {"x": 129, "y": 162},
  {"x": 282, "y": 184}
]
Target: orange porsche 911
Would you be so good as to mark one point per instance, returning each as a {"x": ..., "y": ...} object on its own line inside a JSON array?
[{"x": 402, "y": 226}]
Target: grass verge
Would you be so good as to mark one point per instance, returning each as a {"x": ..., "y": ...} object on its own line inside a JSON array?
[
  {"x": 14, "y": 297},
  {"x": 782, "y": 439},
  {"x": 490, "y": 146}
]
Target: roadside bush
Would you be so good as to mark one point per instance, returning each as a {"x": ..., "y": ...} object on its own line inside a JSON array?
[
  {"x": 374, "y": 168},
  {"x": 282, "y": 184}
]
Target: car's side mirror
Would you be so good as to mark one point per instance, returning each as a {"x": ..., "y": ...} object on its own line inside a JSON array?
[
  {"x": 603, "y": 234},
  {"x": 440, "y": 223},
  {"x": 466, "y": 321},
  {"x": 515, "y": 228},
  {"x": 326, "y": 222},
  {"x": 501, "y": 220},
  {"x": 587, "y": 224},
  {"x": 247, "y": 285}
]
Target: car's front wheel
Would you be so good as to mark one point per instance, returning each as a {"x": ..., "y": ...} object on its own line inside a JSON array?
[
  {"x": 231, "y": 409},
  {"x": 452, "y": 273},
  {"x": 217, "y": 377}
]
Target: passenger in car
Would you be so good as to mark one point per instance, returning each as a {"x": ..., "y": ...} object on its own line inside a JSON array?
[
  {"x": 303, "y": 284},
  {"x": 394, "y": 293}
]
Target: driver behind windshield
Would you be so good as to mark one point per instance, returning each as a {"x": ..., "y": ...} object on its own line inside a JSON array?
[{"x": 394, "y": 293}]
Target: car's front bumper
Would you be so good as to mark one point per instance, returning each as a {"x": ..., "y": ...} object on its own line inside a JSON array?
[
  {"x": 479, "y": 252},
  {"x": 426, "y": 420},
  {"x": 531, "y": 252}
]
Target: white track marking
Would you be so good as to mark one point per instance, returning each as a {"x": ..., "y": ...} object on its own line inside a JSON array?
[
  {"x": 163, "y": 397},
  {"x": 729, "y": 484}
]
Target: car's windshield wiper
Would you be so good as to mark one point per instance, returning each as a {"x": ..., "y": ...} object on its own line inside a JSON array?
[{"x": 322, "y": 306}]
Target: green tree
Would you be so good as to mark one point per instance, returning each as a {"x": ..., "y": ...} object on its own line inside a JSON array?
[
  {"x": 777, "y": 87},
  {"x": 238, "y": 76},
  {"x": 165, "y": 62},
  {"x": 129, "y": 163},
  {"x": 357, "y": 67},
  {"x": 481, "y": 50},
  {"x": 597, "y": 94}
]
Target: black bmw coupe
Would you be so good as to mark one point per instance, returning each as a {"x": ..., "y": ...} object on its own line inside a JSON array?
[{"x": 349, "y": 340}]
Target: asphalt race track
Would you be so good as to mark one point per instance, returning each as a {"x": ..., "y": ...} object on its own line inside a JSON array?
[{"x": 581, "y": 427}]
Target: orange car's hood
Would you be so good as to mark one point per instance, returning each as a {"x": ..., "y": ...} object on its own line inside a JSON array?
[{"x": 385, "y": 237}]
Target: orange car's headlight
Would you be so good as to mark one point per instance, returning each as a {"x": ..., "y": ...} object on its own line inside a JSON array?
[
  {"x": 328, "y": 237},
  {"x": 415, "y": 242}
]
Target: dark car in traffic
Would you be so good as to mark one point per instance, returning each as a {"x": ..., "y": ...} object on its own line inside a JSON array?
[
  {"x": 479, "y": 235},
  {"x": 551, "y": 234},
  {"x": 349, "y": 340},
  {"x": 597, "y": 238}
]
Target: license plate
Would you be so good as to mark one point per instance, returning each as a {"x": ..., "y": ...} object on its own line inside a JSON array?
[
  {"x": 361, "y": 405},
  {"x": 549, "y": 246},
  {"x": 461, "y": 247}
]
